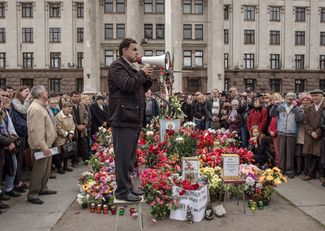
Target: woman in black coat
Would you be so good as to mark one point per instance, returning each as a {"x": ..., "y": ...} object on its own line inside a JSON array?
[
  {"x": 260, "y": 146},
  {"x": 99, "y": 114}
]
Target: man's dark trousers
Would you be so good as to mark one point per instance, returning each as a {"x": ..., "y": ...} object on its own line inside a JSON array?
[{"x": 125, "y": 142}]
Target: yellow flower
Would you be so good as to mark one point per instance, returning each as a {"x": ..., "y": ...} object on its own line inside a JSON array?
[
  {"x": 269, "y": 178},
  {"x": 277, "y": 181},
  {"x": 276, "y": 169},
  {"x": 262, "y": 179}
]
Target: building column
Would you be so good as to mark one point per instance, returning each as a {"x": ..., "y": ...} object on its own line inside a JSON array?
[
  {"x": 133, "y": 19},
  {"x": 216, "y": 72},
  {"x": 91, "y": 60},
  {"x": 173, "y": 39}
]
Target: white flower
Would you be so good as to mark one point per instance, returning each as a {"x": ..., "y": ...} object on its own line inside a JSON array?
[
  {"x": 179, "y": 139},
  {"x": 250, "y": 181},
  {"x": 111, "y": 151},
  {"x": 86, "y": 173},
  {"x": 189, "y": 124},
  {"x": 149, "y": 133},
  {"x": 259, "y": 185}
]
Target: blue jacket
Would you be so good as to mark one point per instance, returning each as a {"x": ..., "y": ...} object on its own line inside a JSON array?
[{"x": 287, "y": 123}]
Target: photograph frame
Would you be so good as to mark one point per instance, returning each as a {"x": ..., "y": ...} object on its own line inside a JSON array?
[
  {"x": 230, "y": 167},
  {"x": 164, "y": 123},
  {"x": 191, "y": 175}
]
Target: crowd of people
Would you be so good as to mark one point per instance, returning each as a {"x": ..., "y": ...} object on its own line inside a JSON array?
[
  {"x": 288, "y": 132},
  {"x": 31, "y": 121}
]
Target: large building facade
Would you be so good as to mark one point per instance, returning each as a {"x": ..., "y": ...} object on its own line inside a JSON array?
[{"x": 268, "y": 45}]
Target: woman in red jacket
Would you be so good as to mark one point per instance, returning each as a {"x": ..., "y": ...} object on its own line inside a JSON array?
[{"x": 257, "y": 116}]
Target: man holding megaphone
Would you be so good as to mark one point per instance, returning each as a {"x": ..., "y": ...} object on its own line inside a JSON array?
[{"x": 127, "y": 86}]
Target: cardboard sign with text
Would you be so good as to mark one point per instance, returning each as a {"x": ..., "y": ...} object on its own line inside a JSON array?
[{"x": 230, "y": 168}]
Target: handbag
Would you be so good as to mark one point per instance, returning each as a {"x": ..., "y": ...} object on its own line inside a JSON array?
[{"x": 69, "y": 149}]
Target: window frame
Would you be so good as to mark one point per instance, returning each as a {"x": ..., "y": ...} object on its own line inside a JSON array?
[
  {"x": 2, "y": 10},
  {"x": 3, "y": 60},
  {"x": 148, "y": 3},
  {"x": 108, "y": 56},
  {"x": 108, "y": 27},
  {"x": 80, "y": 35},
  {"x": 275, "y": 37},
  {"x": 108, "y": 6},
  {"x": 275, "y": 59},
  {"x": 249, "y": 37},
  {"x": 198, "y": 32},
  {"x": 275, "y": 13},
  {"x": 120, "y": 27},
  {"x": 249, "y": 13},
  {"x": 160, "y": 4},
  {"x": 322, "y": 62},
  {"x": 187, "y": 3},
  {"x": 55, "y": 85},
  {"x": 2, "y": 35},
  {"x": 300, "y": 13},
  {"x": 198, "y": 7},
  {"x": 198, "y": 57},
  {"x": 276, "y": 85},
  {"x": 226, "y": 12},
  {"x": 187, "y": 57},
  {"x": 188, "y": 30},
  {"x": 299, "y": 83},
  {"x": 299, "y": 61},
  {"x": 27, "y": 9},
  {"x": 80, "y": 57},
  {"x": 54, "y": 10},
  {"x": 249, "y": 59},
  {"x": 55, "y": 35},
  {"x": 120, "y": 7},
  {"x": 148, "y": 31},
  {"x": 160, "y": 28},
  {"x": 226, "y": 60},
  {"x": 300, "y": 38},
  {"x": 27, "y": 34},
  {"x": 53, "y": 57},
  {"x": 80, "y": 9},
  {"x": 28, "y": 60}
]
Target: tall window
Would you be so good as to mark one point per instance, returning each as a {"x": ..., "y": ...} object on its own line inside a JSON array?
[
  {"x": 193, "y": 84},
  {"x": 108, "y": 7},
  {"x": 249, "y": 13},
  {"x": 55, "y": 59},
  {"x": 275, "y": 85},
  {"x": 120, "y": 31},
  {"x": 27, "y": 82},
  {"x": 160, "y": 52},
  {"x": 198, "y": 58},
  {"x": 2, "y": 10},
  {"x": 109, "y": 58},
  {"x": 2, "y": 83},
  {"x": 2, "y": 60},
  {"x": 187, "y": 6},
  {"x": 148, "y": 31},
  {"x": 300, "y": 37},
  {"x": 227, "y": 85},
  {"x": 322, "y": 38},
  {"x": 120, "y": 6},
  {"x": 300, "y": 14},
  {"x": 322, "y": 62},
  {"x": 198, "y": 31},
  {"x": 27, "y": 34},
  {"x": 250, "y": 83},
  {"x": 226, "y": 12},
  {"x": 108, "y": 31},
  {"x": 80, "y": 35},
  {"x": 322, "y": 84},
  {"x": 198, "y": 7},
  {"x": 226, "y": 60},
  {"x": 187, "y": 31},
  {"x": 2, "y": 35},
  {"x": 160, "y": 6},
  {"x": 300, "y": 85},
  {"x": 79, "y": 84},
  {"x": 55, "y": 10},
  {"x": 275, "y": 37},
  {"x": 322, "y": 15},
  {"x": 160, "y": 31},
  {"x": 148, "y": 6},
  {"x": 148, "y": 53},
  {"x": 274, "y": 61},
  {"x": 28, "y": 59},
  {"x": 249, "y": 61},
  {"x": 275, "y": 13},
  {"x": 80, "y": 10},
  {"x": 55, "y": 85},
  {"x": 27, "y": 10},
  {"x": 249, "y": 37},
  {"x": 226, "y": 36},
  {"x": 55, "y": 35},
  {"x": 80, "y": 57},
  {"x": 187, "y": 58},
  {"x": 300, "y": 62}
]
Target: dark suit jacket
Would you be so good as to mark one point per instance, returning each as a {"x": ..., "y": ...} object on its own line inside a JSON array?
[
  {"x": 98, "y": 117},
  {"x": 126, "y": 94}
]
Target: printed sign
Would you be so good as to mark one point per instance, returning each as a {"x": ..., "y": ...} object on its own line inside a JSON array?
[{"x": 230, "y": 168}]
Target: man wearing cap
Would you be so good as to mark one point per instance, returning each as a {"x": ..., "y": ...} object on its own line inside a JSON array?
[
  {"x": 313, "y": 133},
  {"x": 288, "y": 117}
]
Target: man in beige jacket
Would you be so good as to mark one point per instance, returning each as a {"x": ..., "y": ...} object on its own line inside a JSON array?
[{"x": 41, "y": 136}]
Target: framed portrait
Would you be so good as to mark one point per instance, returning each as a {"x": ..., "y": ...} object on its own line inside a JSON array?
[
  {"x": 230, "y": 170},
  {"x": 190, "y": 169},
  {"x": 168, "y": 124}
]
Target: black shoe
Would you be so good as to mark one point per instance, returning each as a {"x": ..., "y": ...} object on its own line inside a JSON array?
[
  {"x": 4, "y": 197},
  {"x": 20, "y": 189},
  {"x": 291, "y": 175},
  {"x": 129, "y": 197},
  {"x": 12, "y": 193},
  {"x": 3, "y": 206},
  {"x": 48, "y": 192},
  {"x": 61, "y": 171},
  {"x": 52, "y": 176},
  {"x": 137, "y": 192},
  {"x": 68, "y": 169},
  {"x": 36, "y": 201}
]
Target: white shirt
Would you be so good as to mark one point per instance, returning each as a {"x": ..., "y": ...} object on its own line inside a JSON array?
[
  {"x": 317, "y": 106},
  {"x": 215, "y": 107},
  {"x": 288, "y": 108}
]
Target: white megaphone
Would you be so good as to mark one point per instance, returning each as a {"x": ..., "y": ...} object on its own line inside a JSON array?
[{"x": 161, "y": 60}]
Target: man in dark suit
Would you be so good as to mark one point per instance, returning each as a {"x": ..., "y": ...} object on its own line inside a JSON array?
[
  {"x": 98, "y": 112},
  {"x": 127, "y": 86}
]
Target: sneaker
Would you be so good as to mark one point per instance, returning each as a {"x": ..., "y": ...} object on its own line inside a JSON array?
[{"x": 13, "y": 193}]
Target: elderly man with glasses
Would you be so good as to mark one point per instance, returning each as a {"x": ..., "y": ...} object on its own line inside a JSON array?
[{"x": 288, "y": 117}]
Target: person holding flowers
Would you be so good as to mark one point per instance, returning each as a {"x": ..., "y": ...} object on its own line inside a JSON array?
[{"x": 260, "y": 146}]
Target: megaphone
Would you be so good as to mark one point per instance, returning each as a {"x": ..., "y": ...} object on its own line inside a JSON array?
[{"x": 161, "y": 60}]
